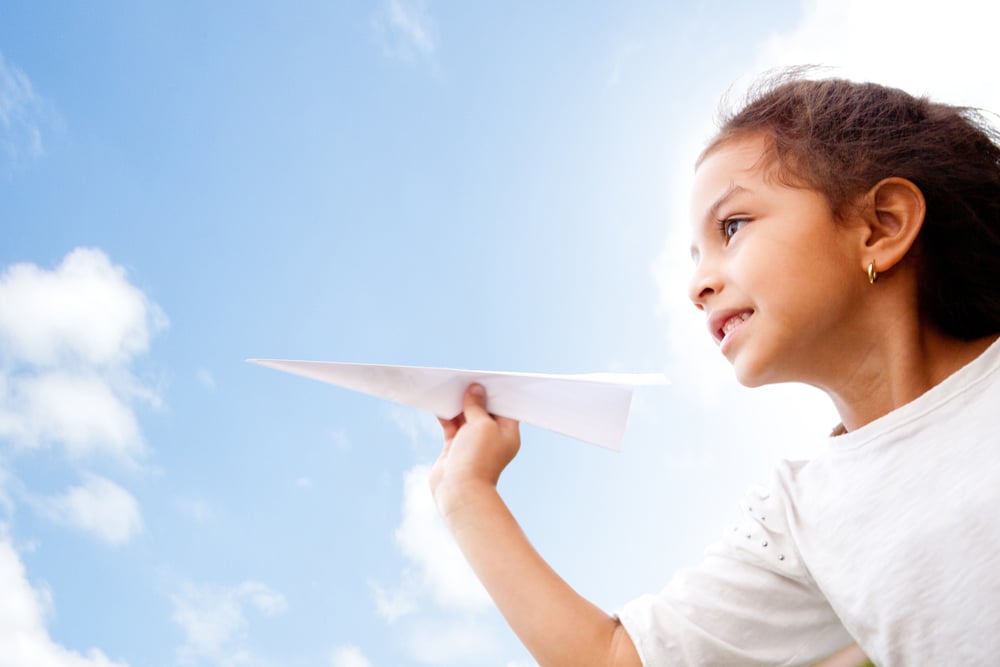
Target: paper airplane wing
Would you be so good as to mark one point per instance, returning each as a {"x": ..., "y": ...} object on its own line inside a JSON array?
[{"x": 592, "y": 407}]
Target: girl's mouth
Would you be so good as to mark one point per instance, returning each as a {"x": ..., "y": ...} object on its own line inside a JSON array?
[
  {"x": 736, "y": 320},
  {"x": 725, "y": 327}
]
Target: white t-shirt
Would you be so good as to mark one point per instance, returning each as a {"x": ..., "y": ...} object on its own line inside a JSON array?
[{"x": 890, "y": 539}]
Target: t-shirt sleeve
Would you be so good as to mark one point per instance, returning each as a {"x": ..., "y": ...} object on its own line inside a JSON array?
[{"x": 751, "y": 601}]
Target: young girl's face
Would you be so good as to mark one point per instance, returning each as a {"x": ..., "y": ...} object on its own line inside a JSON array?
[{"x": 777, "y": 276}]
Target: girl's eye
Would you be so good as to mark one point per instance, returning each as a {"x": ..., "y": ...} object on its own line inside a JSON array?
[{"x": 731, "y": 226}]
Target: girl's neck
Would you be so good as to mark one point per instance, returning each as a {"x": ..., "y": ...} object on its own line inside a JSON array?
[{"x": 899, "y": 370}]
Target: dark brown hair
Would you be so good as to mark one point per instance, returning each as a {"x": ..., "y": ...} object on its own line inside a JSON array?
[{"x": 841, "y": 138}]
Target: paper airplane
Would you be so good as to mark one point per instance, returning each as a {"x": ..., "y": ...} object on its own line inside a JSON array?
[{"x": 592, "y": 407}]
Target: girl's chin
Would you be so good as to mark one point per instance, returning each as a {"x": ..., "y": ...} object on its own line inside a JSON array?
[
  {"x": 752, "y": 375},
  {"x": 751, "y": 382}
]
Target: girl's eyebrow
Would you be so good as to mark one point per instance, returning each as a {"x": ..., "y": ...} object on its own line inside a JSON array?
[{"x": 733, "y": 189}]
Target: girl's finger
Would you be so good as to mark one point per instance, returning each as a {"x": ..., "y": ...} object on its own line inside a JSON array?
[
  {"x": 474, "y": 403},
  {"x": 451, "y": 426},
  {"x": 508, "y": 427}
]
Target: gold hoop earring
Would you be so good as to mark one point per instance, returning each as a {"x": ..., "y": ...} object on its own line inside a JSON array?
[{"x": 872, "y": 273}]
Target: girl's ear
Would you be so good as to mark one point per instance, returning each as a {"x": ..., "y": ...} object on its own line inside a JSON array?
[{"x": 895, "y": 210}]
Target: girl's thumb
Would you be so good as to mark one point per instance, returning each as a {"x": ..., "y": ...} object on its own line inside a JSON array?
[{"x": 475, "y": 399}]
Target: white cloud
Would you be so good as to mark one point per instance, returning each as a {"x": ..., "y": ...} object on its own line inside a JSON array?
[
  {"x": 22, "y": 115},
  {"x": 214, "y": 622},
  {"x": 97, "y": 506},
  {"x": 937, "y": 48},
  {"x": 349, "y": 656},
  {"x": 83, "y": 312},
  {"x": 80, "y": 411},
  {"x": 68, "y": 337},
  {"x": 405, "y": 30},
  {"x": 24, "y": 639}
]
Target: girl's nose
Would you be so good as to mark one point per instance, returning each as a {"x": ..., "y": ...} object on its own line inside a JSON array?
[{"x": 704, "y": 283}]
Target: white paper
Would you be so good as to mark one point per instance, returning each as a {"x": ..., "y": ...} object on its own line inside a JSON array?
[{"x": 592, "y": 407}]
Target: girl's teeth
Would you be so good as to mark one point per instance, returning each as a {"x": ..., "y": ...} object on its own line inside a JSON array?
[{"x": 734, "y": 322}]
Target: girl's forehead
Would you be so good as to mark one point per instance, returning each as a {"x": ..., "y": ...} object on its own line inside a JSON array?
[
  {"x": 740, "y": 154},
  {"x": 729, "y": 166}
]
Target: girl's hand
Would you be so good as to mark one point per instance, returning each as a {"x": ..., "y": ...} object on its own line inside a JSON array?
[
  {"x": 477, "y": 448},
  {"x": 557, "y": 625}
]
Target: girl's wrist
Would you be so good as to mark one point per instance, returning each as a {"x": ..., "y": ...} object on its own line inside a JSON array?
[{"x": 459, "y": 500}]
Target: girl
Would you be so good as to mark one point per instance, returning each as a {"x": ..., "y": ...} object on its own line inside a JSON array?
[{"x": 845, "y": 235}]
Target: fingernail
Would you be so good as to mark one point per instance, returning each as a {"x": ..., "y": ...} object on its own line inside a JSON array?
[{"x": 477, "y": 390}]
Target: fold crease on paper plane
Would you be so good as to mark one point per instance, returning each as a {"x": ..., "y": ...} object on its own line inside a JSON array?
[{"x": 592, "y": 407}]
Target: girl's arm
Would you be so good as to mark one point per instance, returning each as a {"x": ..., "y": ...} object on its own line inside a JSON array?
[{"x": 557, "y": 625}]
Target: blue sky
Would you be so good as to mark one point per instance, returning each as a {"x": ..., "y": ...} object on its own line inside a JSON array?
[{"x": 184, "y": 186}]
